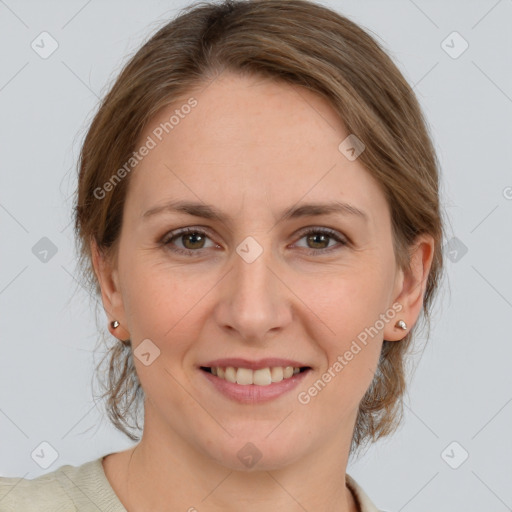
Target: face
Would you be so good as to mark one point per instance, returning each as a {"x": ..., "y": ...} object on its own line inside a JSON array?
[{"x": 254, "y": 289}]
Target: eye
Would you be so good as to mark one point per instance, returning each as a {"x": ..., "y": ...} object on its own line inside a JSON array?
[
  {"x": 193, "y": 239},
  {"x": 318, "y": 237}
]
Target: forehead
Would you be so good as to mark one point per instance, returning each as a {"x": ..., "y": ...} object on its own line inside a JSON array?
[{"x": 250, "y": 141}]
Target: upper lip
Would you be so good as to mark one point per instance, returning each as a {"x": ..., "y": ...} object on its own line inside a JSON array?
[{"x": 267, "y": 362}]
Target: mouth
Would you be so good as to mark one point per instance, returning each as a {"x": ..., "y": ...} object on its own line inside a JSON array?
[
  {"x": 260, "y": 377},
  {"x": 251, "y": 382}
]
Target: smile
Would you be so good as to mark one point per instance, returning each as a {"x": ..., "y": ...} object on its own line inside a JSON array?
[
  {"x": 252, "y": 382},
  {"x": 261, "y": 377}
]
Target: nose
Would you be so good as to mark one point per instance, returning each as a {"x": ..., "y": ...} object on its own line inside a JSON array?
[{"x": 254, "y": 302}]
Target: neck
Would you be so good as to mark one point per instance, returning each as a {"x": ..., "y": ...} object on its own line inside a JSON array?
[{"x": 172, "y": 475}]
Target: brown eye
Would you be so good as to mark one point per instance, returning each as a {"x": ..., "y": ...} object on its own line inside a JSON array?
[
  {"x": 318, "y": 240},
  {"x": 186, "y": 241},
  {"x": 193, "y": 240}
]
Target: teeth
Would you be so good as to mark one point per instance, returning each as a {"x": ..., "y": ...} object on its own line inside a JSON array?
[
  {"x": 230, "y": 374},
  {"x": 276, "y": 374},
  {"x": 244, "y": 376},
  {"x": 261, "y": 377}
]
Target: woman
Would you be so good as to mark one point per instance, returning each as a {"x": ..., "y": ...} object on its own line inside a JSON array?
[{"x": 258, "y": 208}]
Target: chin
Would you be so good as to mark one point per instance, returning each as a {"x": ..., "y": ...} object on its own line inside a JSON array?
[{"x": 258, "y": 452}]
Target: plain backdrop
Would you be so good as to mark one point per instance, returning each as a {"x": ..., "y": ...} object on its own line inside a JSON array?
[{"x": 453, "y": 451}]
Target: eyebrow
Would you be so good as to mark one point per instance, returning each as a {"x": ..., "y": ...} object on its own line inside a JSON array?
[{"x": 294, "y": 212}]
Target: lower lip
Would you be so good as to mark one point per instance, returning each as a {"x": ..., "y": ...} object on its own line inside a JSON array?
[{"x": 251, "y": 393}]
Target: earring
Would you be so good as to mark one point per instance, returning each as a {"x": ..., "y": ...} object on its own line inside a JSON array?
[
  {"x": 401, "y": 324},
  {"x": 115, "y": 324}
]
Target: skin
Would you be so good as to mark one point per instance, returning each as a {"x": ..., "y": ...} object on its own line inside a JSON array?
[{"x": 251, "y": 147}]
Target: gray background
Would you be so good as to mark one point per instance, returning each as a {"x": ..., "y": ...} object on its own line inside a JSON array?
[{"x": 462, "y": 388}]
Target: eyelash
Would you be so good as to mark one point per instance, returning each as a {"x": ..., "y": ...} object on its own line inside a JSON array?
[{"x": 169, "y": 237}]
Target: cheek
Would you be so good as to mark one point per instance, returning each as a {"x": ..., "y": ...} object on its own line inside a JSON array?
[
  {"x": 351, "y": 307},
  {"x": 158, "y": 299},
  {"x": 345, "y": 303},
  {"x": 160, "y": 307}
]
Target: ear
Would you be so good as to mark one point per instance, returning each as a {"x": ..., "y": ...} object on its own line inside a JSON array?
[
  {"x": 110, "y": 292},
  {"x": 410, "y": 288}
]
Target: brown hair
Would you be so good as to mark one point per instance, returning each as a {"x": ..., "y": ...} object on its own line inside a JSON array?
[{"x": 301, "y": 43}]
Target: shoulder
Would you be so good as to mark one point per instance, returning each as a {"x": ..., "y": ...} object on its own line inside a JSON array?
[
  {"x": 67, "y": 489},
  {"x": 43, "y": 493}
]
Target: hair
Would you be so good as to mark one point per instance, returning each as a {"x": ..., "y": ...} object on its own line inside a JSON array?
[{"x": 303, "y": 44}]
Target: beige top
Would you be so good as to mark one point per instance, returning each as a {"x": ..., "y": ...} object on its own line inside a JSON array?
[{"x": 85, "y": 488}]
